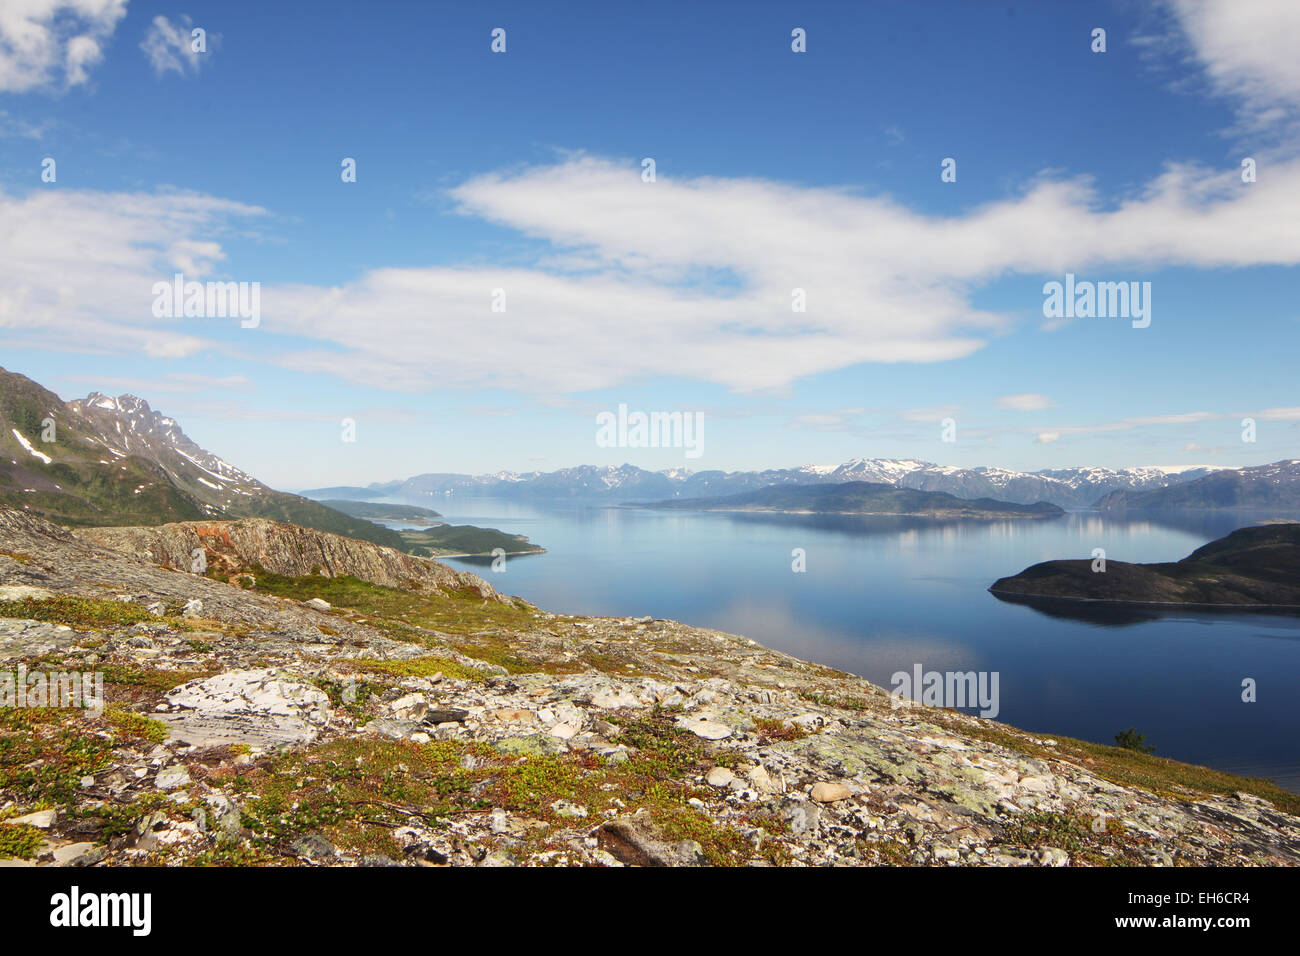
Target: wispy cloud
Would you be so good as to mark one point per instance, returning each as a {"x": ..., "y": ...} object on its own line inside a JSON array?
[
  {"x": 1027, "y": 402},
  {"x": 16, "y": 127},
  {"x": 170, "y": 46},
  {"x": 169, "y": 382}
]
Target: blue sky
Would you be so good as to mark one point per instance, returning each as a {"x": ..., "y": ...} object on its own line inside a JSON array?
[{"x": 775, "y": 170}]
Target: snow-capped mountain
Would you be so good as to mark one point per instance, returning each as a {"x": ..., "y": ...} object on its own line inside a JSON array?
[
  {"x": 1276, "y": 485},
  {"x": 1067, "y": 487},
  {"x": 115, "y": 461},
  {"x": 126, "y": 426}
]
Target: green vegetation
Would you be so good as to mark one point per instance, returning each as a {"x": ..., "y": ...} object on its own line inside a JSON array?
[
  {"x": 79, "y": 613},
  {"x": 19, "y": 841},
  {"x": 148, "y": 678},
  {"x": 1132, "y": 740},
  {"x": 44, "y": 752},
  {"x": 280, "y": 506},
  {"x": 775, "y": 729},
  {"x": 1097, "y": 841},
  {"x": 466, "y": 539},
  {"x": 461, "y": 620},
  {"x": 131, "y": 724}
]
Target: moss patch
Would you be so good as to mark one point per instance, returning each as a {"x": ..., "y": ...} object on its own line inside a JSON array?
[{"x": 77, "y": 613}]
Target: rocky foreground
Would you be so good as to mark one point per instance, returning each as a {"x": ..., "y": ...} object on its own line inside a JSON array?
[{"x": 310, "y": 700}]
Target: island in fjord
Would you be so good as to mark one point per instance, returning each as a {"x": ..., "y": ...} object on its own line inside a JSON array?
[
  {"x": 862, "y": 498},
  {"x": 1255, "y": 567}
]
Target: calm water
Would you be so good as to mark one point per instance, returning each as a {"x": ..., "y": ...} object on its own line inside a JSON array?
[{"x": 882, "y": 594}]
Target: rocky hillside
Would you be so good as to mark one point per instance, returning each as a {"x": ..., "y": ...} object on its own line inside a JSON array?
[
  {"x": 235, "y": 549},
  {"x": 317, "y": 720},
  {"x": 1252, "y": 567}
]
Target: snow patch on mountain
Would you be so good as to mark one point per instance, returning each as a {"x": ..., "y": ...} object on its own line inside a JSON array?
[{"x": 22, "y": 440}]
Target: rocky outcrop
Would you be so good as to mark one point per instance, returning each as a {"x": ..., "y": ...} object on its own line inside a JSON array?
[{"x": 233, "y": 547}]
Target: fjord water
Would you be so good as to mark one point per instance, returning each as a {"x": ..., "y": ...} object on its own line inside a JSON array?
[{"x": 882, "y": 594}]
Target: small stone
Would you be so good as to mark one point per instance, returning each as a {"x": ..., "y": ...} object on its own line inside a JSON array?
[
  {"x": 513, "y": 715},
  {"x": 68, "y": 854},
  {"x": 564, "y": 808},
  {"x": 172, "y": 778},
  {"x": 762, "y": 781},
  {"x": 41, "y": 819},
  {"x": 1051, "y": 856},
  {"x": 563, "y": 731},
  {"x": 313, "y": 846},
  {"x": 707, "y": 729},
  {"x": 830, "y": 792},
  {"x": 318, "y": 604},
  {"x": 410, "y": 707},
  {"x": 446, "y": 716},
  {"x": 719, "y": 777},
  {"x": 611, "y": 699},
  {"x": 385, "y": 727},
  {"x": 804, "y": 819},
  {"x": 193, "y": 608}
]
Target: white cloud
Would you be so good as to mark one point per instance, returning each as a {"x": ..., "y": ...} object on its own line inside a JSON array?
[
  {"x": 688, "y": 279},
  {"x": 77, "y": 267},
  {"x": 693, "y": 278},
  {"x": 1046, "y": 438},
  {"x": 169, "y": 46},
  {"x": 53, "y": 43},
  {"x": 13, "y": 126},
  {"x": 1027, "y": 402},
  {"x": 1249, "y": 50}
]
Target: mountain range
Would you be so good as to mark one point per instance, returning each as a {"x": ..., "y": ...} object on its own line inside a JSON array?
[
  {"x": 1276, "y": 485},
  {"x": 1065, "y": 487}
]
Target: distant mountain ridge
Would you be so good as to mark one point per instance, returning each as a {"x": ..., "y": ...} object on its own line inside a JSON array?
[
  {"x": 1276, "y": 485},
  {"x": 1065, "y": 487},
  {"x": 863, "y": 497}
]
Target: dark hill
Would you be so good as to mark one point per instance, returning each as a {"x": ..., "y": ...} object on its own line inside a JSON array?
[{"x": 1252, "y": 567}]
